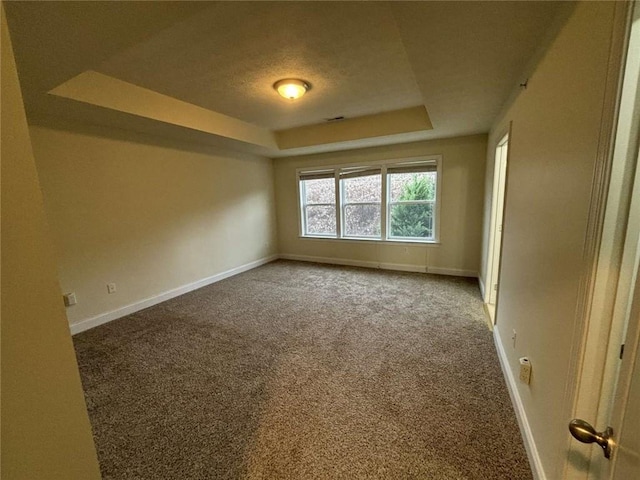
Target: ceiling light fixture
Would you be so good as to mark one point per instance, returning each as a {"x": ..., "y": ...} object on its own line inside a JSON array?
[{"x": 291, "y": 88}]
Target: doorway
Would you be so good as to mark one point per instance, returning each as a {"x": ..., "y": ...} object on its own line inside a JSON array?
[
  {"x": 495, "y": 227},
  {"x": 608, "y": 387}
]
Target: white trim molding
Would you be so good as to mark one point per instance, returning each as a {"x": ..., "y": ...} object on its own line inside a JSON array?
[
  {"x": 107, "y": 317},
  {"x": 525, "y": 430},
  {"x": 353, "y": 263},
  {"x": 401, "y": 267},
  {"x": 103, "y": 318},
  {"x": 457, "y": 272},
  {"x": 481, "y": 285},
  {"x": 426, "y": 163}
]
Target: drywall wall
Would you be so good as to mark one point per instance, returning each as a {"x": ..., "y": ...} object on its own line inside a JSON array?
[
  {"x": 44, "y": 424},
  {"x": 544, "y": 42},
  {"x": 148, "y": 215},
  {"x": 463, "y": 165},
  {"x": 553, "y": 147}
]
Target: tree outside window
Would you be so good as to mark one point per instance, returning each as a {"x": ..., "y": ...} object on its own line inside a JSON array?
[{"x": 357, "y": 209}]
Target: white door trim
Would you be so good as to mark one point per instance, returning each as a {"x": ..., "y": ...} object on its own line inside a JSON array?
[
  {"x": 628, "y": 308},
  {"x": 611, "y": 196},
  {"x": 500, "y": 159}
]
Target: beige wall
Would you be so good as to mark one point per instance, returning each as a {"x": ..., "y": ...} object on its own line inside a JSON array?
[
  {"x": 461, "y": 209},
  {"x": 45, "y": 428},
  {"x": 148, "y": 215},
  {"x": 552, "y": 152}
]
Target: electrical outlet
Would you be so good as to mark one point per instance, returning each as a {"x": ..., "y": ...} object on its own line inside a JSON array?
[
  {"x": 111, "y": 288},
  {"x": 69, "y": 299},
  {"x": 525, "y": 370},
  {"x": 514, "y": 336}
]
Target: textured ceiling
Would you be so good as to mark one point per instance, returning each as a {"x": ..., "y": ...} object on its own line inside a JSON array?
[
  {"x": 228, "y": 57},
  {"x": 460, "y": 60}
]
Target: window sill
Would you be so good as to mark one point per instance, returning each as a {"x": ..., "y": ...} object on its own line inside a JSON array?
[{"x": 429, "y": 243}]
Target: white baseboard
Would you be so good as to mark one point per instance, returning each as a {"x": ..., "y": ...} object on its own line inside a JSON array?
[
  {"x": 402, "y": 267},
  {"x": 456, "y": 272},
  {"x": 355, "y": 263},
  {"x": 523, "y": 422},
  {"x": 162, "y": 297},
  {"x": 106, "y": 317}
]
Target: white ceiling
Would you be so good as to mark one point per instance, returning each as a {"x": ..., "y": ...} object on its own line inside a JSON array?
[{"x": 460, "y": 60}]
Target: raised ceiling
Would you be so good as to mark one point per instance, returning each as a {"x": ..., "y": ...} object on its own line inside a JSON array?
[{"x": 204, "y": 71}]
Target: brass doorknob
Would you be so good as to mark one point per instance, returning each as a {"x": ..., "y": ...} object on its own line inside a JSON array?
[{"x": 585, "y": 433}]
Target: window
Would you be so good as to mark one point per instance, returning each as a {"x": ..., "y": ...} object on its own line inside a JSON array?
[
  {"x": 412, "y": 200},
  {"x": 318, "y": 198},
  {"x": 361, "y": 202},
  {"x": 392, "y": 201}
]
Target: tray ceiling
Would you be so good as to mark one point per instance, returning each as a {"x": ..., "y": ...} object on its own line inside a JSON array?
[{"x": 458, "y": 61}]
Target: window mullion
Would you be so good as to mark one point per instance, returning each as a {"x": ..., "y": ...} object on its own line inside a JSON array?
[
  {"x": 412, "y": 202},
  {"x": 338, "y": 194},
  {"x": 361, "y": 203},
  {"x": 384, "y": 202},
  {"x": 303, "y": 200},
  {"x": 304, "y": 220},
  {"x": 427, "y": 210}
]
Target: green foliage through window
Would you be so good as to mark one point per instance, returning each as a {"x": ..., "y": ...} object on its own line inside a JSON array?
[
  {"x": 395, "y": 201},
  {"x": 414, "y": 220}
]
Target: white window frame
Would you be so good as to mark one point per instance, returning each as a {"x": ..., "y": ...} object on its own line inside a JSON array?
[
  {"x": 382, "y": 165},
  {"x": 302, "y": 204},
  {"x": 435, "y": 202},
  {"x": 343, "y": 175}
]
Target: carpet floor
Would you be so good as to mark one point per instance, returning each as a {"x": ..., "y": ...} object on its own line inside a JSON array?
[{"x": 303, "y": 371}]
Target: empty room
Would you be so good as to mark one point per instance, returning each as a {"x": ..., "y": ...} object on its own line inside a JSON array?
[{"x": 320, "y": 240}]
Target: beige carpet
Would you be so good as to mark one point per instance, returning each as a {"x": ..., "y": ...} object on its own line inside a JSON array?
[{"x": 304, "y": 371}]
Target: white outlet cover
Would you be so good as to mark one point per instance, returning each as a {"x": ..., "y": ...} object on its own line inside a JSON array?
[
  {"x": 69, "y": 299},
  {"x": 525, "y": 370}
]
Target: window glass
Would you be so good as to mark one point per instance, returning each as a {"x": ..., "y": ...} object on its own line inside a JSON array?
[
  {"x": 319, "y": 206},
  {"x": 321, "y": 219},
  {"x": 411, "y": 221},
  {"x": 320, "y": 191},
  {"x": 412, "y": 186},
  {"x": 411, "y": 205},
  {"x": 362, "y": 220},
  {"x": 361, "y": 204},
  {"x": 362, "y": 189}
]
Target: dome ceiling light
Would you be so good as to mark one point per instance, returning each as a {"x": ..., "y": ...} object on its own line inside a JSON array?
[{"x": 291, "y": 88}]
